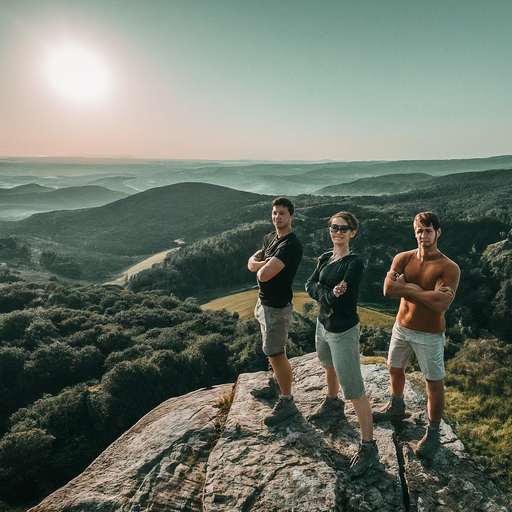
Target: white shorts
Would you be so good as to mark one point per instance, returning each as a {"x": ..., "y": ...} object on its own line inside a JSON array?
[{"x": 428, "y": 347}]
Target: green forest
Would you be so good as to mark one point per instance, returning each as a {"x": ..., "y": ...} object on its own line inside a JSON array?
[
  {"x": 80, "y": 362},
  {"x": 80, "y": 365}
]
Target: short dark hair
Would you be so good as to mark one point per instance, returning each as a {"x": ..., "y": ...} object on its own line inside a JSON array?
[
  {"x": 284, "y": 201},
  {"x": 428, "y": 219},
  {"x": 351, "y": 220}
]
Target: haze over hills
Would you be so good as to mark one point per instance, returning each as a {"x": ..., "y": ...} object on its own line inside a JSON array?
[
  {"x": 263, "y": 177},
  {"x": 388, "y": 184},
  {"x": 19, "y": 202}
]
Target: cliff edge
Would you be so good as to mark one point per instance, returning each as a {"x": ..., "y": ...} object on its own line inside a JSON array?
[{"x": 195, "y": 453}]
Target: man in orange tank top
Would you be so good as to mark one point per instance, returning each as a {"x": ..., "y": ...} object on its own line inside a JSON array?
[{"x": 425, "y": 281}]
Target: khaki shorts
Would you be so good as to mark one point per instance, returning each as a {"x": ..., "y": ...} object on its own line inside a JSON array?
[
  {"x": 274, "y": 323},
  {"x": 428, "y": 347}
]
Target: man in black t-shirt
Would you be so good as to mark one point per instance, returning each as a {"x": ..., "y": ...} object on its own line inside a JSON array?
[{"x": 275, "y": 265}]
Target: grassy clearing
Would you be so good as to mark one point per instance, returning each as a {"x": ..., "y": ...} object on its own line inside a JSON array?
[{"x": 243, "y": 303}]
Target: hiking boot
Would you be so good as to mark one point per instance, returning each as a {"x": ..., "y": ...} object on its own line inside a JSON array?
[
  {"x": 270, "y": 391},
  {"x": 330, "y": 408},
  {"x": 366, "y": 457},
  {"x": 428, "y": 446},
  {"x": 393, "y": 410},
  {"x": 285, "y": 408}
]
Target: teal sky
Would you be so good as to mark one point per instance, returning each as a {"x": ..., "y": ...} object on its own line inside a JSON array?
[{"x": 262, "y": 79}]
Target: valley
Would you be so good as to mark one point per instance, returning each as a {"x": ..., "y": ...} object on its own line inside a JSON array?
[{"x": 100, "y": 316}]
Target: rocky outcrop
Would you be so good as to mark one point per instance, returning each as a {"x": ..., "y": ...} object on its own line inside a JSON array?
[{"x": 187, "y": 455}]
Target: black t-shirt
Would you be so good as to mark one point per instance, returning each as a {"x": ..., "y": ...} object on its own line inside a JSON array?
[
  {"x": 336, "y": 314},
  {"x": 277, "y": 292}
]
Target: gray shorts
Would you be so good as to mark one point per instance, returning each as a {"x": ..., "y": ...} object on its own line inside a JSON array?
[
  {"x": 341, "y": 350},
  {"x": 428, "y": 347},
  {"x": 274, "y": 323}
]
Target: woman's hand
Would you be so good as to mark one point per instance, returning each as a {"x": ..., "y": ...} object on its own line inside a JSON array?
[{"x": 340, "y": 289}]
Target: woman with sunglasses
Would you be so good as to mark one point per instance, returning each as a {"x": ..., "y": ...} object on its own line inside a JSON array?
[{"x": 335, "y": 286}]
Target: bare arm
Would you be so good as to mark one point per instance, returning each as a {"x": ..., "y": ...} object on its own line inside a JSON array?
[
  {"x": 269, "y": 269},
  {"x": 397, "y": 268},
  {"x": 256, "y": 261},
  {"x": 438, "y": 299}
]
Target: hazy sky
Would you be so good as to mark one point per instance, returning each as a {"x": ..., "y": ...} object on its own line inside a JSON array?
[{"x": 256, "y": 79}]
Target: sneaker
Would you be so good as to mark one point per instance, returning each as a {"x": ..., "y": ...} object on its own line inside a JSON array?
[
  {"x": 269, "y": 391},
  {"x": 393, "y": 410},
  {"x": 366, "y": 457},
  {"x": 285, "y": 408},
  {"x": 330, "y": 408},
  {"x": 428, "y": 446}
]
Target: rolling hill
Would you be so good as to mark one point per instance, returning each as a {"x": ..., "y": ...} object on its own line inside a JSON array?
[
  {"x": 461, "y": 195},
  {"x": 147, "y": 222},
  {"x": 25, "y": 200},
  {"x": 388, "y": 184}
]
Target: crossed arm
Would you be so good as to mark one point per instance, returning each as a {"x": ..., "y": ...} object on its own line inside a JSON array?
[
  {"x": 265, "y": 269},
  {"x": 325, "y": 294},
  {"x": 438, "y": 299}
]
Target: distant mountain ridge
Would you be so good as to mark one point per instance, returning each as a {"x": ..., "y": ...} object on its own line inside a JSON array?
[
  {"x": 388, "y": 184},
  {"x": 29, "y": 188},
  {"x": 408, "y": 182},
  {"x": 262, "y": 177}
]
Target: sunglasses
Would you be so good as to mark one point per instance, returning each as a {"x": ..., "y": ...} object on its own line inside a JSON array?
[{"x": 334, "y": 228}]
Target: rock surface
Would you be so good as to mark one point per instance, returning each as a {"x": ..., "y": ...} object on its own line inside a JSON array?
[{"x": 174, "y": 460}]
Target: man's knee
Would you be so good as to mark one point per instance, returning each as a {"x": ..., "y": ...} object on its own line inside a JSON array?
[
  {"x": 396, "y": 372},
  {"x": 435, "y": 385},
  {"x": 278, "y": 354}
]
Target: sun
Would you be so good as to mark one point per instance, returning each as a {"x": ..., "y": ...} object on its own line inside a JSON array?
[{"x": 77, "y": 73}]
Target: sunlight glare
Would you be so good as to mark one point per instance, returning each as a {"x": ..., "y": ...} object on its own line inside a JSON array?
[{"x": 77, "y": 73}]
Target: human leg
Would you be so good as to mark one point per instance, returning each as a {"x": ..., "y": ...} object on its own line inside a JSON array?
[
  {"x": 285, "y": 407},
  {"x": 397, "y": 381},
  {"x": 274, "y": 323},
  {"x": 283, "y": 372},
  {"x": 344, "y": 347},
  {"x": 333, "y": 384},
  {"x": 368, "y": 452},
  {"x": 429, "y": 349},
  {"x": 399, "y": 355},
  {"x": 331, "y": 407},
  {"x": 364, "y": 415},
  {"x": 431, "y": 441},
  {"x": 435, "y": 396}
]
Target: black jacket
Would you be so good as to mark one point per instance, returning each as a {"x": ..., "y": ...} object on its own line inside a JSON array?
[{"x": 336, "y": 314}]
